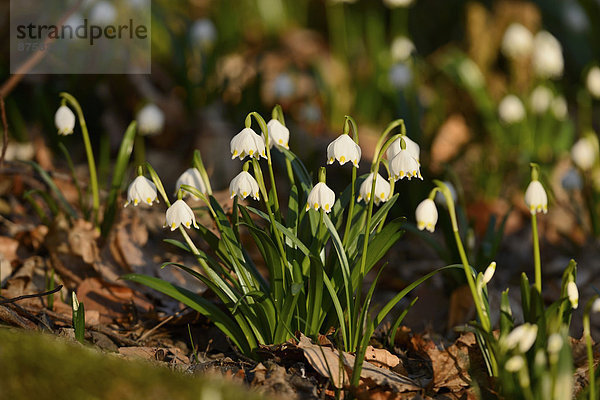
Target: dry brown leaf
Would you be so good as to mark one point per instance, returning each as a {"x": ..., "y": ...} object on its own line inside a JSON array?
[
  {"x": 381, "y": 358},
  {"x": 8, "y": 254},
  {"x": 82, "y": 240},
  {"x": 462, "y": 308}
]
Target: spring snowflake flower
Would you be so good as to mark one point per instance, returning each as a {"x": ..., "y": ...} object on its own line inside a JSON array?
[
  {"x": 141, "y": 190},
  {"x": 592, "y": 81},
  {"x": 536, "y": 198},
  {"x": 523, "y": 337},
  {"x": 511, "y": 109},
  {"x": 489, "y": 273},
  {"x": 517, "y": 41},
  {"x": 401, "y": 49},
  {"x": 191, "y": 177},
  {"x": 573, "y": 294},
  {"x": 541, "y": 99},
  {"x": 321, "y": 197},
  {"x": 397, "y": 3},
  {"x": 151, "y": 120},
  {"x": 405, "y": 165},
  {"x": 596, "y": 305},
  {"x": 343, "y": 149},
  {"x": 244, "y": 185},
  {"x": 279, "y": 134},
  {"x": 470, "y": 73},
  {"x": 547, "y": 56},
  {"x": 64, "y": 119},
  {"x": 180, "y": 214},
  {"x": 583, "y": 153},
  {"x": 411, "y": 146},
  {"x": 427, "y": 215},
  {"x": 247, "y": 143},
  {"x": 559, "y": 108},
  {"x": 382, "y": 189},
  {"x": 555, "y": 343},
  {"x": 514, "y": 364}
]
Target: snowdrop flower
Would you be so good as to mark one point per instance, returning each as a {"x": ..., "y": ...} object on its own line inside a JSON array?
[
  {"x": 397, "y": 3},
  {"x": 540, "y": 99},
  {"x": 515, "y": 363},
  {"x": 244, "y": 185},
  {"x": 559, "y": 108},
  {"x": 517, "y": 41},
  {"x": 402, "y": 48},
  {"x": 321, "y": 197},
  {"x": 547, "y": 56},
  {"x": 592, "y": 81},
  {"x": 596, "y": 305},
  {"x": 426, "y": 215},
  {"x": 573, "y": 294},
  {"x": 404, "y": 165},
  {"x": 382, "y": 189},
  {"x": 400, "y": 76},
  {"x": 555, "y": 343},
  {"x": 64, "y": 119},
  {"x": 191, "y": 177},
  {"x": 489, "y": 273},
  {"x": 583, "y": 153},
  {"x": 411, "y": 146},
  {"x": 523, "y": 337},
  {"x": 203, "y": 33},
  {"x": 536, "y": 198},
  {"x": 470, "y": 73},
  {"x": 103, "y": 13},
  {"x": 180, "y": 214},
  {"x": 247, "y": 143},
  {"x": 343, "y": 149},
  {"x": 151, "y": 120},
  {"x": 279, "y": 134},
  {"x": 143, "y": 190},
  {"x": 511, "y": 109}
]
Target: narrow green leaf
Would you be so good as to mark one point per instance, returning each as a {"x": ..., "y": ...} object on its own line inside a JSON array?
[{"x": 50, "y": 182}]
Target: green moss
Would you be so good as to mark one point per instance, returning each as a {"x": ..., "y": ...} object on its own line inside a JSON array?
[{"x": 40, "y": 366}]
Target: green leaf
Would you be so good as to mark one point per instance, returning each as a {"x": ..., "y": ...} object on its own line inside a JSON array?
[
  {"x": 50, "y": 182},
  {"x": 396, "y": 324},
  {"x": 506, "y": 319}
]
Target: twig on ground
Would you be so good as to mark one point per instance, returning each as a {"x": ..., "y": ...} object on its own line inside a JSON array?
[{"x": 30, "y": 296}]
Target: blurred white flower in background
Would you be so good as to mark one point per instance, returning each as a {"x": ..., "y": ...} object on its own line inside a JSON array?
[
  {"x": 517, "y": 41},
  {"x": 559, "y": 108},
  {"x": 284, "y": 86},
  {"x": 547, "y": 56},
  {"x": 575, "y": 17},
  {"x": 74, "y": 21},
  {"x": 151, "y": 120},
  {"x": 103, "y": 13},
  {"x": 397, "y": 3},
  {"x": 191, "y": 177},
  {"x": 511, "y": 109},
  {"x": 203, "y": 33},
  {"x": 401, "y": 49},
  {"x": 19, "y": 151},
  {"x": 400, "y": 76},
  {"x": 470, "y": 74},
  {"x": 592, "y": 81},
  {"x": 571, "y": 180},
  {"x": 540, "y": 99},
  {"x": 583, "y": 153},
  {"x": 573, "y": 294}
]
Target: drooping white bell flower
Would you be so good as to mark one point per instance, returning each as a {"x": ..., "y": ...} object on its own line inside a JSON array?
[
  {"x": 584, "y": 154},
  {"x": 573, "y": 294},
  {"x": 411, "y": 146},
  {"x": 321, "y": 197},
  {"x": 515, "y": 363},
  {"x": 540, "y": 100},
  {"x": 244, "y": 185},
  {"x": 247, "y": 143},
  {"x": 426, "y": 215},
  {"x": 64, "y": 119},
  {"x": 523, "y": 337},
  {"x": 547, "y": 56},
  {"x": 382, "y": 189},
  {"x": 592, "y": 81},
  {"x": 343, "y": 149},
  {"x": 489, "y": 273},
  {"x": 559, "y": 108},
  {"x": 191, "y": 177},
  {"x": 405, "y": 165},
  {"x": 180, "y": 214},
  {"x": 536, "y": 198},
  {"x": 596, "y": 305},
  {"x": 555, "y": 343},
  {"x": 279, "y": 134},
  {"x": 141, "y": 190},
  {"x": 401, "y": 49},
  {"x": 517, "y": 41},
  {"x": 511, "y": 109},
  {"x": 151, "y": 120}
]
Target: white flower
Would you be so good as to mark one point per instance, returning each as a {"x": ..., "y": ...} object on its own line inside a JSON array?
[
  {"x": 203, "y": 33},
  {"x": 180, "y": 214},
  {"x": 489, "y": 273},
  {"x": 536, "y": 198},
  {"x": 522, "y": 336},
  {"x": 191, "y": 177},
  {"x": 103, "y": 13},
  {"x": 583, "y": 153},
  {"x": 382, "y": 189},
  {"x": 321, "y": 197},
  {"x": 426, "y": 215},
  {"x": 151, "y": 120},
  {"x": 343, "y": 149},
  {"x": 511, "y": 109},
  {"x": 397, "y": 3},
  {"x": 64, "y": 119},
  {"x": 404, "y": 165},
  {"x": 596, "y": 305},
  {"x": 555, "y": 343},
  {"x": 592, "y": 81},
  {"x": 143, "y": 190},
  {"x": 400, "y": 76},
  {"x": 573, "y": 294},
  {"x": 401, "y": 49},
  {"x": 75, "y": 302},
  {"x": 517, "y": 41},
  {"x": 279, "y": 134},
  {"x": 547, "y": 56},
  {"x": 559, "y": 108},
  {"x": 411, "y": 146},
  {"x": 540, "y": 99},
  {"x": 470, "y": 73},
  {"x": 515, "y": 363},
  {"x": 244, "y": 185},
  {"x": 247, "y": 143}
]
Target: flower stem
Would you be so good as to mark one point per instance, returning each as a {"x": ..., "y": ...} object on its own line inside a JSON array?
[
  {"x": 588, "y": 345},
  {"x": 90, "y": 154},
  {"x": 350, "y": 207},
  {"x": 536, "y": 253}
]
